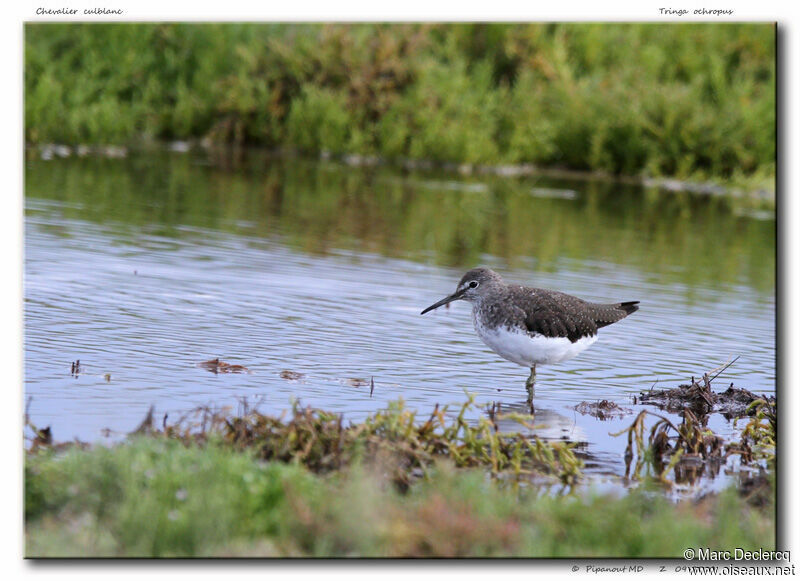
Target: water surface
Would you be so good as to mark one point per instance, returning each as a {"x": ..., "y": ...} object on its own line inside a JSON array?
[{"x": 142, "y": 267}]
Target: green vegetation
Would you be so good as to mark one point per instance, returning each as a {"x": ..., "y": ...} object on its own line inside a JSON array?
[
  {"x": 760, "y": 433},
  {"x": 158, "y": 497},
  {"x": 393, "y": 438},
  {"x": 692, "y": 100},
  {"x": 253, "y": 485}
]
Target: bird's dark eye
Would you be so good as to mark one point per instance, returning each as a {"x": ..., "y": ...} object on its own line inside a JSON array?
[{"x": 473, "y": 284}]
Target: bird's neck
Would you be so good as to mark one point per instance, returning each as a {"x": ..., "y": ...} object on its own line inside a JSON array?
[{"x": 486, "y": 300}]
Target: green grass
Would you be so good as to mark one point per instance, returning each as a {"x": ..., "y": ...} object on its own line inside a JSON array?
[
  {"x": 157, "y": 497},
  {"x": 691, "y": 100}
]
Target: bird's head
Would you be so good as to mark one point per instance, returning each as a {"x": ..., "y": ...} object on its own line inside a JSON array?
[{"x": 472, "y": 287}]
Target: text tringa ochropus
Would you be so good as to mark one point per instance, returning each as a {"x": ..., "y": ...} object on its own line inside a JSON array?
[{"x": 532, "y": 326}]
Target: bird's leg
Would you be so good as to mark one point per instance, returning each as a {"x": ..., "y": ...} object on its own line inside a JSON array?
[{"x": 529, "y": 383}]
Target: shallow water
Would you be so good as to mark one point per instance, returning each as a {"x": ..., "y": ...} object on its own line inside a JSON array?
[{"x": 142, "y": 267}]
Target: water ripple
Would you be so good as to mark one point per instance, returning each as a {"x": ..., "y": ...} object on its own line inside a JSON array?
[{"x": 146, "y": 309}]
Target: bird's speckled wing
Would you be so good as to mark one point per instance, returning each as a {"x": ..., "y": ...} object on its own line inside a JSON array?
[{"x": 556, "y": 314}]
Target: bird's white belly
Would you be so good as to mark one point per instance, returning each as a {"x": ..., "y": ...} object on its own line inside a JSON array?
[{"x": 526, "y": 350}]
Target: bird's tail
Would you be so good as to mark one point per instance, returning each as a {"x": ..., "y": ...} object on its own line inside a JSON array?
[
  {"x": 607, "y": 314},
  {"x": 629, "y": 307}
]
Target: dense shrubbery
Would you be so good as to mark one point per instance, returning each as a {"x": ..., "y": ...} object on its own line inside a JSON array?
[{"x": 692, "y": 100}]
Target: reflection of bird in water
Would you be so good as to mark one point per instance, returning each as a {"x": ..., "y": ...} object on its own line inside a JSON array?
[{"x": 547, "y": 424}]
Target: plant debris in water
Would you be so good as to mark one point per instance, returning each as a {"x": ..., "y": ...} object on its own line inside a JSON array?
[
  {"x": 602, "y": 410},
  {"x": 701, "y": 399},
  {"x": 391, "y": 439},
  {"x": 356, "y": 382},
  {"x": 217, "y": 366},
  {"x": 759, "y": 435},
  {"x": 690, "y": 448},
  {"x": 43, "y": 437}
]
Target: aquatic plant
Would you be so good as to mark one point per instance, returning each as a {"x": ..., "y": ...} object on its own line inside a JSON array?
[
  {"x": 689, "y": 448},
  {"x": 760, "y": 434},
  {"x": 393, "y": 438}
]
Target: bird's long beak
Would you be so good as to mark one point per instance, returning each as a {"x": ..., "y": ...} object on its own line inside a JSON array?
[{"x": 453, "y": 297}]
